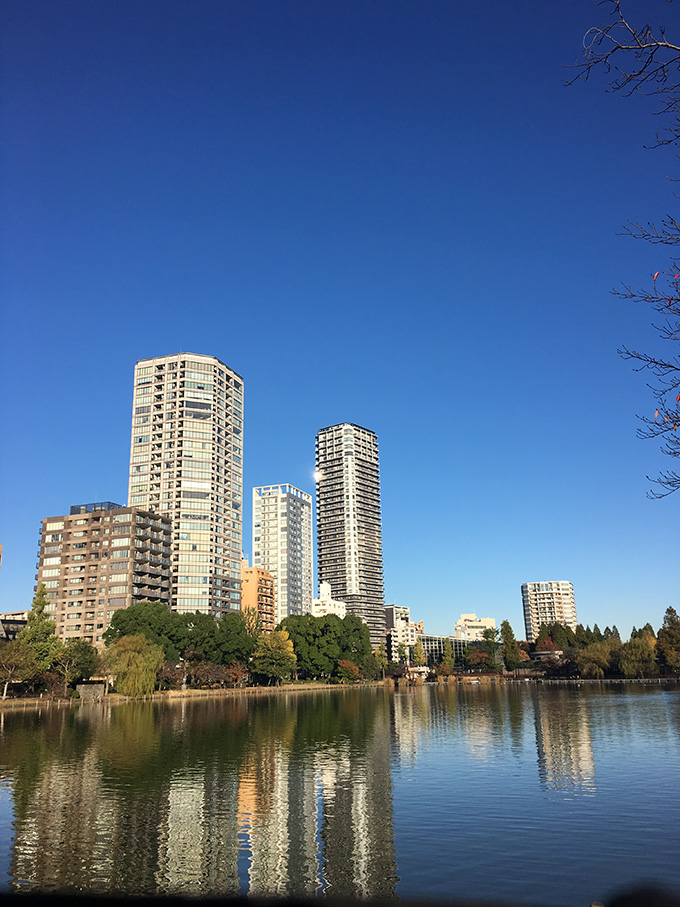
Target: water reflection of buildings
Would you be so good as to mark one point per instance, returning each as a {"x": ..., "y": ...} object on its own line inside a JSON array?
[
  {"x": 323, "y": 820},
  {"x": 279, "y": 815},
  {"x": 565, "y": 752}
]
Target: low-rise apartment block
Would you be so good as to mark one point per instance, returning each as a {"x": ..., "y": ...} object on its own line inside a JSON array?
[
  {"x": 325, "y": 604},
  {"x": 258, "y": 594},
  {"x": 99, "y": 558}
]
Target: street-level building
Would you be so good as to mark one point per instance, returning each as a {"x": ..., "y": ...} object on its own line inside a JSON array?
[
  {"x": 349, "y": 528},
  {"x": 549, "y": 602},
  {"x": 471, "y": 628},
  {"x": 258, "y": 595},
  {"x": 99, "y": 558},
  {"x": 282, "y": 545},
  {"x": 325, "y": 604},
  {"x": 186, "y": 462}
]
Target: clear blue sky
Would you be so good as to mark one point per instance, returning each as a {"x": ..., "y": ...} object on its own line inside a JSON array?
[{"x": 390, "y": 213}]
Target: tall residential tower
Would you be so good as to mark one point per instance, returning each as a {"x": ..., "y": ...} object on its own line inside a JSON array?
[
  {"x": 282, "y": 544},
  {"x": 186, "y": 463},
  {"x": 349, "y": 532},
  {"x": 547, "y": 603}
]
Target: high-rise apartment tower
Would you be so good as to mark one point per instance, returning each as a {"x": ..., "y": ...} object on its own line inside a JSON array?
[
  {"x": 186, "y": 463},
  {"x": 282, "y": 544},
  {"x": 547, "y": 603},
  {"x": 349, "y": 532}
]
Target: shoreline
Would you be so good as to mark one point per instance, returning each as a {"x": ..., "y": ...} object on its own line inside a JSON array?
[{"x": 26, "y": 703}]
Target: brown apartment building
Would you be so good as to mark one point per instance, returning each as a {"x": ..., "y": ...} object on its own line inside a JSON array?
[
  {"x": 257, "y": 594},
  {"x": 100, "y": 558}
]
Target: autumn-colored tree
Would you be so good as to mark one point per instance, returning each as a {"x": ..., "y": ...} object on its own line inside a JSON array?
[
  {"x": 347, "y": 671},
  {"x": 637, "y": 658},
  {"x": 419, "y": 659},
  {"x": 274, "y": 656}
]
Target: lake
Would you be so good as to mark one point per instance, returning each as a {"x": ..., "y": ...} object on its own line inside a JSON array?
[{"x": 539, "y": 794}]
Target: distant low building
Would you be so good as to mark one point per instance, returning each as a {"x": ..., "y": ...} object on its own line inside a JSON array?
[
  {"x": 433, "y": 647},
  {"x": 11, "y": 624},
  {"x": 324, "y": 604},
  {"x": 471, "y": 628}
]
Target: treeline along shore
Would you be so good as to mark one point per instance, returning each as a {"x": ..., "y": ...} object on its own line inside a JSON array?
[{"x": 149, "y": 649}]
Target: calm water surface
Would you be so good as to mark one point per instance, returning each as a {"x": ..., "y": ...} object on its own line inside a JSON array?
[{"x": 553, "y": 795}]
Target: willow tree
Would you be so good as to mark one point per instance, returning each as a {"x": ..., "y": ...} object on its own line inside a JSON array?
[{"x": 135, "y": 663}]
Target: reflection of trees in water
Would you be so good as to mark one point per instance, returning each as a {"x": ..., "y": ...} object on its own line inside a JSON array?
[{"x": 165, "y": 798}]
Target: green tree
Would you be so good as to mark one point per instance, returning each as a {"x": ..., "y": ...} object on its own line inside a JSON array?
[
  {"x": 370, "y": 668},
  {"x": 490, "y": 644},
  {"x": 17, "y": 664},
  {"x": 354, "y": 639},
  {"x": 135, "y": 662},
  {"x": 668, "y": 643},
  {"x": 153, "y": 620},
  {"x": 509, "y": 647},
  {"x": 76, "y": 660},
  {"x": 38, "y": 634},
  {"x": 234, "y": 643},
  {"x": 419, "y": 659},
  {"x": 274, "y": 656},
  {"x": 447, "y": 658},
  {"x": 401, "y": 653}
]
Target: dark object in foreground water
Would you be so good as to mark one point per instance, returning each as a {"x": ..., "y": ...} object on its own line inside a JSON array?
[{"x": 636, "y": 897}]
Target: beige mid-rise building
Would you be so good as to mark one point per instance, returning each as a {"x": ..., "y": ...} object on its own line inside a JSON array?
[
  {"x": 257, "y": 594},
  {"x": 98, "y": 559},
  {"x": 471, "y": 628},
  {"x": 186, "y": 462}
]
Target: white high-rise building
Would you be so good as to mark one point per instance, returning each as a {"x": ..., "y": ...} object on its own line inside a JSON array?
[
  {"x": 186, "y": 462},
  {"x": 349, "y": 528},
  {"x": 282, "y": 545},
  {"x": 547, "y": 603}
]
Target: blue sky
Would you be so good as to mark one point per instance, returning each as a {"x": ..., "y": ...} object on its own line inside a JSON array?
[{"x": 390, "y": 213}]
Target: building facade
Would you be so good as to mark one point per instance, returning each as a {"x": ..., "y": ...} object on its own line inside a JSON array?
[
  {"x": 257, "y": 594},
  {"x": 548, "y": 603},
  {"x": 400, "y": 630},
  {"x": 349, "y": 528},
  {"x": 100, "y": 558},
  {"x": 325, "y": 604},
  {"x": 282, "y": 545},
  {"x": 186, "y": 462},
  {"x": 471, "y": 628}
]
